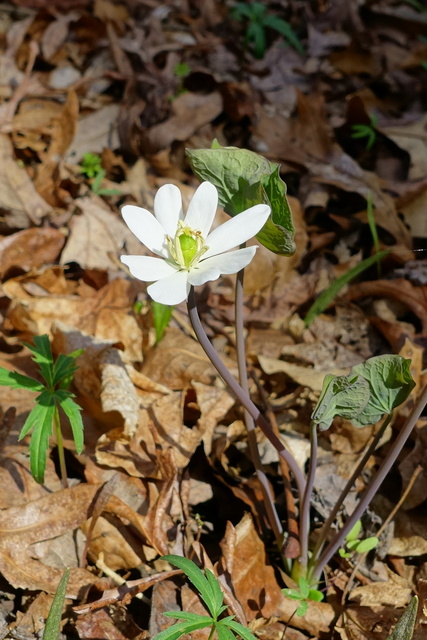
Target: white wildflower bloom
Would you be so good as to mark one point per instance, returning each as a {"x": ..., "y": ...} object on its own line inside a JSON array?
[{"x": 187, "y": 253}]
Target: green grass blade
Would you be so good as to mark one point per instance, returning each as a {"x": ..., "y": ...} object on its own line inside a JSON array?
[
  {"x": 326, "y": 297},
  {"x": 53, "y": 622},
  {"x": 162, "y": 314}
]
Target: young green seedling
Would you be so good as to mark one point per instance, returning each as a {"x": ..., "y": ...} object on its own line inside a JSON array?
[
  {"x": 211, "y": 594},
  {"x": 259, "y": 20},
  {"x": 354, "y": 545},
  {"x": 304, "y": 594},
  {"x": 91, "y": 167},
  {"x": 53, "y": 395},
  {"x": 367, "y": 131}
]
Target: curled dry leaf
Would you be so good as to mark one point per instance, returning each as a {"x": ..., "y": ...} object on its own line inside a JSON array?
[{"x": 30, "y": 248}]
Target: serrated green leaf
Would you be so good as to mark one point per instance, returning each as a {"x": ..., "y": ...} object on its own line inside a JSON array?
[
  {"x": 40, "y": 420},
  {"x": 16, "y": 380},
  {"x": 177, "y": 630},
  {"x": 243, "y": 178},
  {"x": 197, "y": 578},
  {"x": 73, "y": 413},
  {"x": 218, "y": 596},
  {"x": 223, "y": 632},
  {"x": 162, "y": 315},
  {"x": 240, "y": 630},
  {"x": 43, "y": 356},
  {"x": 404, "y": 629},
  {"x": 189, "y": 616},
  {"x": 327, "y": 296},
  {"x": 53, "y": 622},
  {"x": 63, "y": 370}
]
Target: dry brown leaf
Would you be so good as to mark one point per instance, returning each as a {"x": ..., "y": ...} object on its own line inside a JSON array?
[
  {"x": 190, "y": 111},
  {"x": 97, "y": 235},
  {"x": 30, "y": 248},
  {"x": 395, "y": 592},
  {"x": 178, "y": 360},
  {"x": 43, "y": 519},
  {"x": 252, "y": 578},
  {"x": 18, "y": 196},
  {"x": 305, "y": 376}
]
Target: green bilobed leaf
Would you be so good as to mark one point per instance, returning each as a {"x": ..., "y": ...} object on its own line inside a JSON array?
[
  {"x": 304, "y": 587},
  {"x": 16, "y": 380},
  {"x": 404, "y": 629},
  {"x": 53, "y": 622},
  {"x": 240, "y": 630},
  {"x": 73, "y": 413},
  {"x": 316, "y": 595},
  {"x": 390, "y": 381},
  {"x": 327, "y": 296},
  {"x": 302, "y": 608},
  {"x": 40, "y": 420},
  {"x": 243, "y": 178},
  {"x": 293, "y": 594},
  {"x": 196, "y": 577},
  {"x": 162, "y": 315},
  {"x": 344, "y": 396}
]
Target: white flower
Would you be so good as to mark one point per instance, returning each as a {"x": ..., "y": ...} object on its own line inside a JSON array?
[{"x": 188, "y": 253}]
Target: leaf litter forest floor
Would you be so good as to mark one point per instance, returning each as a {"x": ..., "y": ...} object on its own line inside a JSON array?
[{"x": 166, "y": 467}]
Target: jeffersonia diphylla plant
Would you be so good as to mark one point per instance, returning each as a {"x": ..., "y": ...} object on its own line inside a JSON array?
[
  {"x": 54, "y": 395},
  {"x": 187, "y": 254}
]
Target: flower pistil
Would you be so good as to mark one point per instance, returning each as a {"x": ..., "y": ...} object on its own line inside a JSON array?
[{"x": 187, "y": 246}]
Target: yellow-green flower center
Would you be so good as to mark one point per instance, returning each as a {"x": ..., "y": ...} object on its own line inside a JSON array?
[{"x": 187, "y": 246}]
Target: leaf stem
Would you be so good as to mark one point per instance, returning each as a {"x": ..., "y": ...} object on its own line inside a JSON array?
[
  {"x": 306, "y": 499},
  {"x": 238, "y": 392},
  {"x": 60, "y": 445},
  {"x": 374, "y": 485},
  {"x": 324, "y": 531},
  {"x": 267, "y": 493}
]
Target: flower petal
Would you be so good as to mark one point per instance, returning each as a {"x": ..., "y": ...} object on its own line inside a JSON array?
[
  {"x": 225, "y": 263},
  {"x": 168, "y": 208},
  {"x": 170, "y": 290},
  {"x": 237, "y": 230},
  {"x": 202, "y": 208},
  {"x": 147, "y": 229},
  {"x": 148, "y": 269}
]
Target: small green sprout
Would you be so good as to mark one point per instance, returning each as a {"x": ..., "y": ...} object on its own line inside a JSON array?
[
  {"x": 52, "y": 628},
  {"x": 367, "y": 131},
  {"x": 354, "y": 545},
  {"x": 210, "y": 592},
  {"x": 91, "y": 165},
  {"x": 53, "y": 394},
  {"x": 303, "y": 594},
  {"x": 259, "y": 20}
]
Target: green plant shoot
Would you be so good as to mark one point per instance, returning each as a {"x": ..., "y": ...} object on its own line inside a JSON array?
[
  {"x": 258, "y": 20},
  {"x": 367, "y": 131},
  {"x": 211, "y": 594},
  {"x": 354, "y": 545},
  {"x": 90, "y": 165},
  {"x": 53, "y": 623},
  {"x": 303, "y": 595},
  {"x": 53, "y": 395}
]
